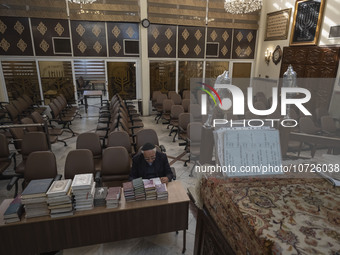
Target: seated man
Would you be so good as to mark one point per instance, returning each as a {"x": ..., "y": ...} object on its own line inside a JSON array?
[{"x": 151, "y": 164}]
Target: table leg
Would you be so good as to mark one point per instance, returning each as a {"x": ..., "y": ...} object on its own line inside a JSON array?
[
  {"x": 184, "y": 241},
  {"x": 101, "y": 100},
  {"x": 85, "y": 97}
]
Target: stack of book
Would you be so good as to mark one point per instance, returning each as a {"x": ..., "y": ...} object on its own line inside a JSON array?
[
  {"x": 14, "y": 211},
  {"x": 59, "y": 198},
  {"x": 138, "y": 187},
  {"x": 128, "y": 191},
  {"x": 113, "y": 196},
  {"x": 161, "y": 190},
  {"x": 150, "y": 189},
  {"x": 83, "y": 188},
  {"x": 99, "y": 196},
  {"x": 34, "y": 198}
]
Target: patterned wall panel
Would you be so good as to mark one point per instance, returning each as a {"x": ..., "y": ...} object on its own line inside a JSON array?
[
  {"x": 43, "y": 32},
  {"x": 222, "y": 38},
  {"x": 162, "y": 41},
  {"x": 88, "y": 38},
  {"x": 191, "y": 42},
  {"x": 15, "y": 36},
  {"x": 244, "y": 44},
  {"x": 117, "y": 34}
]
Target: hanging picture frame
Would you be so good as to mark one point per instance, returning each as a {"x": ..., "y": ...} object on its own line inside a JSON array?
[
  {"x": 277, "y": 25},
  {"x": 307, "y": 21}
]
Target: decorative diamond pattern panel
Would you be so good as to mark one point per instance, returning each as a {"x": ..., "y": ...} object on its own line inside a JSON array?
[
  {"x": 15, "y": 37},
  {"x": 222, "y": 36},
  {"x": 191, "y": 42},
  {"x": 118, "y": 36},
  {"x": 89, "y": 38},
  {"x": 43, "y": 32},
  {"x": 165, "y": 40},
  {"x": 244, "y": 44}
]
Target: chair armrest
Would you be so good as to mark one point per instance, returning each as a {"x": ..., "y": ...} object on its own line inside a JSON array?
[
  {"x": 97, "y": 178},
  {"x": 162, "y": 148},
  {"x": 57, "y": 177},
  {"x": 13, "y": 156},
  {"x": 173, "y": 173},
  {"x": 11, "y": 183}
]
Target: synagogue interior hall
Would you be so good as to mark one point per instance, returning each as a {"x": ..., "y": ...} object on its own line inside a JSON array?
[{"x": 240, "y": 99}]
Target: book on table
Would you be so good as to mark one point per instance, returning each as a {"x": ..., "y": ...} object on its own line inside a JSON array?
[
  {"x": 36, "y": 188},
  {"x": 82, "y": 181},
  {"x": 59, "y": 188},
  {"x": 14, "y": 211}
]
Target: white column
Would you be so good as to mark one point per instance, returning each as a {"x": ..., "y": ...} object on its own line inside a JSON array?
[{"x": 145, "y": 66}]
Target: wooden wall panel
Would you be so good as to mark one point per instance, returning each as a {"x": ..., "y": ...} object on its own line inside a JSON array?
[
  {"x": 162, "y": 41},
  {"x": 15, "y": 36},
  {"x": 318, "y": 66},
  {"x": 244, "y": 41},
  {"x": 223, "y": 37},
  {"x": 43, "y": 32},
  {"x": 117, "y": 33},
  {"x": 191, "y": 42},
  {"x": 89, "y": 39}
]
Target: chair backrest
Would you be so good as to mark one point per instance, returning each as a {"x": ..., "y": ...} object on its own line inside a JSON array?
[
  {"x": 160, "y": 98},
  {"x": 176, "y": 110},
  {"x": 28, "y": 99},
  {"x": 177, "y": 99},
  {"x": 40, "y": 165},
  {"x": 116, "y": 161},
  {"x": 185, "y": 104},
  {"x": 90, "y": 141},
  {"x": 328, "y": 124},
  {"x": 37, "y": 118},
  {"x": 78, "y": 162},
  {"x": 194, "y": 131},
  {"x": 12, "y": 112},
  {"x": 18, "y": 105},
  {"x": 29, "y": 121},
  {"x": 320, "y": 112},
  {"x": 155, "y": 95},
  {"x": 195, "y": 110},
  {"x": 184, "y": 120},
  {"x": 146, "y": 136},
  {"x": 186, "y": 94},
  {"x": 171, "y": 93},
  {"x": 306, "y": 125},
  {"x": 119, "y": 138},
  {"x": 54, "y": 110},
  {"x": 167, "y": 104},
  {"x": 33, "y": 141},
  {"x": 4, "y": 151},
  {"x": 17, "y": 134}
]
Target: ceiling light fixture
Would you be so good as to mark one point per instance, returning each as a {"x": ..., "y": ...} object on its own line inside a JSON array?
[
  {"x": 242, "y": 6},
  {"x": 82, "y": 1}
]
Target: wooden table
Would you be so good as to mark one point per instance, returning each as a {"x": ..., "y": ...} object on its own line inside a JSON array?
[
  {"x": 99, "y": 225},
  {"x": 92, "y": 93}
]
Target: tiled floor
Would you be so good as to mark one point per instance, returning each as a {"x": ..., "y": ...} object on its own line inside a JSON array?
[{"x": 168, "y": 243}]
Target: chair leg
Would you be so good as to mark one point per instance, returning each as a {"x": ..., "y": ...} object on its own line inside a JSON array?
[
  {"x": 192, "y": 169},
  {"x": 188, "y": 160},
  {"x": 174, "y": 139},
  {"x": 65, "y": 144}
]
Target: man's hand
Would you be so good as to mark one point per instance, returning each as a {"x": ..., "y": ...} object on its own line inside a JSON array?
[{"x": 164, "y": 180}]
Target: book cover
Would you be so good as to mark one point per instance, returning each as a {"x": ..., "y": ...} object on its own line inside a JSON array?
[
  {"x": 82, "y": 181},
  {"x": 37, "y": 188},
  {"x": 14, "y": 209},
  {"x": 60, "y": 187}
]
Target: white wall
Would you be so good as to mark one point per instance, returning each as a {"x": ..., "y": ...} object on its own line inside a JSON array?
[{"x": 331, "y": 18}]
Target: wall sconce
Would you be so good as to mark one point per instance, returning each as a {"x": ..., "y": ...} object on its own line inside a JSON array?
[{"x": 267, "y": 56}]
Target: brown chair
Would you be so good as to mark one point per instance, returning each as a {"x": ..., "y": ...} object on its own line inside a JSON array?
[
  {"x": 154, "y": 97},
  {"x": 194, "y": 131},
  {"x": 31, "y": 142},
  {"x": 37, "y": 118},
  {"x": 91, "y": 141},
  {"x": 147, "y": 136},
  {"x": 177, "y": 99},
  {"x": 13, "y": 113},
  {"x": 195, "y": 110},
  {"x": 17, "y": 136},
  {"x": 186, "y": 94},
  {"x": 183, "y": 121},
  {"x": 34, "y": 171},
  {"x": 116, "y": 166},
  {"x": 39, "y": 109},
  {"x": 120, "y": 138},
  {"x": 167, "y": 104},
  {"x": 80, "y": 162},
  {"x": 176, "y": 110},
  {"x": 6, "y": 158},
  {"x": 159, "y": 105},
  {"x": 185, "y": 104}
]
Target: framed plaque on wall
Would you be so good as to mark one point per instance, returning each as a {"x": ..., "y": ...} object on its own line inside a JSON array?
[
  {"x": 277, "y": 25},
  {"x": 307, "y": 21}
]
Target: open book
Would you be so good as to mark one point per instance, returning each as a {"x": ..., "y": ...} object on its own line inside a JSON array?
[{"x": 333, "y": 177}]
